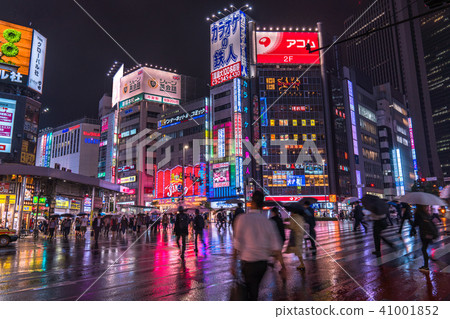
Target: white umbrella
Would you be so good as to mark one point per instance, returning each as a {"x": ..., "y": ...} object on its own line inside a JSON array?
[
  {"x": 421, "y": 198},
  {"x": 350, "y": 200}
]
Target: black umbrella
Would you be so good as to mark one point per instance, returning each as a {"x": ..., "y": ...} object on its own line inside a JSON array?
[
  {"x": 296, "y": 208},
  {"x": 375, "y": 204},
  {"x": 82, "y": 214},
  {"x": 55, "y": 215},
  {"x": 68, "y": 215},
  {"x": 306, "y": 200}
]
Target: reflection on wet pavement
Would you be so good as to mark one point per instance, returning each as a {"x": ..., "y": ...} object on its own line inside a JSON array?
[{"x": 152, "y": 269}]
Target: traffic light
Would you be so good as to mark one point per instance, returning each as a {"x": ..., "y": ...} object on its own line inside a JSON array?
[
  {"x": 372, "y": 185},
  {"x": 422, "y": 180}
]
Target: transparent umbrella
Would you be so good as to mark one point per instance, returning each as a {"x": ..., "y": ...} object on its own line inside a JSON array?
[{"x": 421, "y": 198}]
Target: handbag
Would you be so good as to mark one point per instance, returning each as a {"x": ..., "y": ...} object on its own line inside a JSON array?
[{"x": 238, "y": 291}]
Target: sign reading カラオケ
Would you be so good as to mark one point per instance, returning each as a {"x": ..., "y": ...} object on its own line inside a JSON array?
[{"x": 228, "y": 48}]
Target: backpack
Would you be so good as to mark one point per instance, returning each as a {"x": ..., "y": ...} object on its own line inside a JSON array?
[
  {"x": 429, "y": 229},
  {"x": 183, "y": 222}
]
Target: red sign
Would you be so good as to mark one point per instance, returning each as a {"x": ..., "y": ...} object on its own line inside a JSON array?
[
  {"x": 169, "y": 182},
  {"x": 287, "y": 47},
  {"x": 4, "y": 188},
  {"x": 91, "y": 134},
  {"x": 225, "y": 74},
  {"x": 294, "y": 198}
]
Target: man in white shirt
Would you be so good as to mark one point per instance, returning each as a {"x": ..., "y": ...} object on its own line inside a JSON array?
[{"x": 256, "y": 239}]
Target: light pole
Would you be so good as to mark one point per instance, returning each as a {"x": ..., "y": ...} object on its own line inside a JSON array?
[{"x": 324, "y": 186}]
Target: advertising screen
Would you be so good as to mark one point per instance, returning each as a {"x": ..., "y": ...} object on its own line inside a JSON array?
[
  {"x": 164, "y": 86},
  {"x": 7, "y": 111},
  {"x": 286, "y": 47},
  {"x": 116, "y": 86},
  {"x": 15, "y": 49},
  {"x": 221, "y": 175},
  {"x": 228, "y": 48},
  {"x": 37, "y": 62}
]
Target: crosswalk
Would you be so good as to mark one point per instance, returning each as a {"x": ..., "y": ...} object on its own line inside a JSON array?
[{"x": 338, "y": 241}]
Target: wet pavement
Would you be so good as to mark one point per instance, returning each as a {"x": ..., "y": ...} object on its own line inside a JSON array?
[{"x": 344, "y": 268}]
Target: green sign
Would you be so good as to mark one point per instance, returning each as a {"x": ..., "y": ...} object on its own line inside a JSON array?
[
  {"x": 131, "y": 100},
  {"x": 42, "y": 200},
  {"x": 102, "y": 174}
]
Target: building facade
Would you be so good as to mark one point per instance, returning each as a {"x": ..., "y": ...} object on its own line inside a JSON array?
[
  {"x": 67, "y": 147},
  {"x": 436, "y": 36},
  {"x": 395, "y": 55}
]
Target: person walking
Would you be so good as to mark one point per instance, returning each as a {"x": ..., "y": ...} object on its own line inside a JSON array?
[
  {"x": 83, "y": 227},
  {"x": 67, "y": 223},
  {"x": 51, "y": 227},
  {"x": 297, "y": 227},
  {"x": 239, "y": 210},
  {"x": 310, "y": 219},
  {"x": 407, "y": 215},
  {"x": 123, "y": 225},
  {"x": 147, "y": 220},
  {"x": 114, "y": 226},
  {"x": 255, "y": 240},
  {"x": 139, "y": 224},
  {"x": 427, "y": 230},
  {"x": 198, "y": 226},
  {"x": 359, "y": 217},
  {"x": 165, "y": 221},
  {"x": 276, "y": 218},
  {"x": 107, "y": 226},
  {"x": 181, "y": 230},
  {"x": 97, "y": 227},
  {"x": 77, "y": 227}
]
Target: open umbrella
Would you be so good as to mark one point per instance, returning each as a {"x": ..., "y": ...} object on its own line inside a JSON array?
[
  {"x": 375, "y": 204},
  {"x": 234, "y": 201},
  {"x": 82, "y": 214},
  {"x": 392, "y": 203},
  {"x": 310, "y": 200},
  {"x": 68, "y": 215},
  {"x": 421, "y": 198},
  {"x": 350, "y": 200}
]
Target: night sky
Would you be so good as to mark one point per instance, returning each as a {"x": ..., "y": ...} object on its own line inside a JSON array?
[{"x": 173, "y": 34}]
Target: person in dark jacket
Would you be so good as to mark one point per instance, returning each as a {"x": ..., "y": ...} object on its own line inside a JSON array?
[
  {"x": 275, "y": 216},
  {"x": 239, "y": 210},
  {"x": 199, "y": 225},
  {"x": 181, "y": 229},
  {"x": 359, "y": 217},
  {"x": 123, "y": 225},
  {"x": 310, "y": 219},
  {"x": 423, "y": 220},
  {"x": 406, "y": 215},
  {"x": 97, "y": 227}
]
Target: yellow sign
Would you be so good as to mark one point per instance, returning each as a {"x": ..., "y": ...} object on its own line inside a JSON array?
[
  {"x": 332, "y": 198},
  {"x": 12, "y": 199},
  {"x": 128, "y": 179},
  {"x": 62, "y": 203},
  {"x": 27, "y": 208}
]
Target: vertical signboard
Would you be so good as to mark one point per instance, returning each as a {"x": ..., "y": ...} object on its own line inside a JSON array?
[
  {"x": 221, "y": 140},
  {"x": 413, "y": 149},
  {"x": 37, "y": 62},
  {"x": 116, "y": 86},
  {"x": 228, "y": 48},
  {"x": 7, "y": 111}
]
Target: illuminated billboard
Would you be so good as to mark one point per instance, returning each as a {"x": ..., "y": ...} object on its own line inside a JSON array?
[
  {"x": 116, "y": 86},
  {"x": 169, "y": 182},
  {"x": 286, "y": 47},
  {"x": 155, "y": 85},
  {"x": 7, "y": 111},
  {"x": 17, "y": 45},
  {"x": 221, "y": 175},
  {"x": 228, "y": 48}
]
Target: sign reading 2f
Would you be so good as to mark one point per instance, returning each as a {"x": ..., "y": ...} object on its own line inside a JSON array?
[{"x": 228, "y": 48}]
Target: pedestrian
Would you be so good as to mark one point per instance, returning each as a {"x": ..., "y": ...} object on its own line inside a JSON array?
[
  {"x": 147, "y": 220},
  {"x": 123, "y": 225},
  {"x": 107, "y": 223},
  {"x": 83, "y": 228},
  {"x": 198, "y": 226},
  {"x": 427, "y": 230},
  {"x": 378, "y": 213},
  {"x": 114, "y": 226},
  {"x": 139, "y": 223},
  {"x": 165, "y": 221},
  {"x": 77, "y": 227},
  {"x": 407, "y": 215},
  {"x": 255, "y": 240},
  {"x": 97, "y": 227},
  {"x": 359, "y": 217},
  {"x": 239, "y": 210},
  {"x": 310, "y": 219},
  {"x": 67, "y": 223},
  {"x": 181, "y": 229},
  {"x": 297, "y": 227},
  {"x": 51, "y": 227},
  {"x": 276, "y": 218}
]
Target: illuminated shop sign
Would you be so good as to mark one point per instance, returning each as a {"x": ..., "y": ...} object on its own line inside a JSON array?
[
  {"x": 358, "y": 182},
  {"x": 128, "y": 133},
  {"x": 91, "y": 134},
  {"x": 286, "y": 86},
  {"x": 287, "y": 47},
  {"x": 182, "y": 118},
  {"x": 228, "y": 48},
  {"x": 263, "y": 105},
  {"x": 125, "y": 168},
  {"x": 102, "y": 174},
  {"x": 398, "y": 172},
  {"x": 104, "y": 124},
  {"x": 413, "y": 149},
  {"x": 296, "y": 180},
  {"x": 87, "y": 205},
  {"x": 221, "y": 146},
  {"x": 126, "y": 190},
  {"x": 7, "y": 112},
  {"x": 221, "y": 175},
  {"x": 353, "y": 118},
  {"x": 91, "y": 140},
  {"x": 128, "y": 179},
  {"x": 62, "y": 202}
]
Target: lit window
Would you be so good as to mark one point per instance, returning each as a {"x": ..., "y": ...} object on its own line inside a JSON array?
[
  {"x": 314, "y": 138},
  {"x": 280, "y": 122},
  {"x": 272, "y": 136},
  {"x": 294, "y": 122},
  {"x": 303, "y": 122},
  {"x": 286, "y": 123},
  {"x": 272, "y": 122},
  {"x": 304, "y": 137},
  {"x": 313, "y": 123},
  {"x": 296, "y": 137}
]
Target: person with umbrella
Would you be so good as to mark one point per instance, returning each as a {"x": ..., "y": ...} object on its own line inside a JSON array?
[
  {"x": 52, "y": 225},
  {"x": 182, "y": 229},
  {"x": 97, "y": 227},
  {"x": 310, "y": 219},
  {"x": 198, "y": 226},
  {"x": 358, "y": 216},
  {"x": 406, "y": 215},
  {"x": 297, "y": 227},
  {"x": 379, "y": 210}
]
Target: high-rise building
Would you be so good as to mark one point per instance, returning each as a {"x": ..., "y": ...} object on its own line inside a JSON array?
[
  {"x": 107, "y": 147},
  {"x": 395, "y": 55},
  {"x": 181, "y": 160},
  {"x": 71, "y": 147},
  {"x": 22, "y": 60},
  {"x": 436, "y": 38},
  {"x": 396, "y": 142}
]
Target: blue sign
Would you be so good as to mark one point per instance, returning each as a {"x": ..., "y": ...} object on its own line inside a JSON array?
[{"x": 296, "y": 180}]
